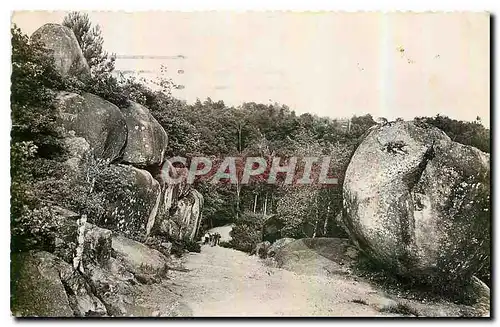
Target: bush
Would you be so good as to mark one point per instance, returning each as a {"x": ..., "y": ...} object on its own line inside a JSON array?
[
  {"x": 244, "y": 238},
  {"x": 225, "y": 244},
  {"x": 179, "y": 247},
  {"x": 192, "y": 246}
]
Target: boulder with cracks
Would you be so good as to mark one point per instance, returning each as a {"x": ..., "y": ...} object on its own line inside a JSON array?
[{"x": 418, "y": 203}]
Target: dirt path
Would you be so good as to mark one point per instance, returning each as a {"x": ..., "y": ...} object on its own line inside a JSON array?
[{"x": 226, "y": 282}]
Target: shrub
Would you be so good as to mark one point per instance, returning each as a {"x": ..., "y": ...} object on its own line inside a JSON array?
[
  {"x": 183, "y": 245},
  {"x": 192, "y": 246},
  {"x": 225, "y": 244},
  {"x": 245, "y": 236}
]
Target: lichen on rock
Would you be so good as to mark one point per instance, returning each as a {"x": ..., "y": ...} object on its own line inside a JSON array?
[{"x": 421, "y": 210}]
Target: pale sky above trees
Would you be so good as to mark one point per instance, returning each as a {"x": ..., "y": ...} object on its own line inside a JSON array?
[{"x": 330, "y": 64}]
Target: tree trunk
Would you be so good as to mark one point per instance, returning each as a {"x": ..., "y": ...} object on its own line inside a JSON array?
[
  {"x": 255, "y": 203},
  {"x": 317, "y": 216},
  {"x": 325, "y": 226},
  {"x": 239, "y": 138},
  {"x": 238, "y": 186},
  {"x": 271, "y": 203},
  {"x": 238, "y": 190},
  {"x": 265, "y": 206}
]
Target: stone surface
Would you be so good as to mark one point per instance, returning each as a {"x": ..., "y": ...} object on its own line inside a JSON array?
[
  {"x": 185, "y": 221},
  {"x": 147, "y": 140},
  {"x": 316, "y": 256},
  {"x": 418, "y": 202},
  {"x": 115, "y": 292},
  {"x": 271, "y": 252},
  {"x": 132, "y": 198},
  {"x": 81, "y": 299},
  {"x": 481, "y": 294},
  {"x": 77, "y": 148},
  {"x": 64, "y": 48},
  {"x": 96, "y": 245},
  {"x": 172, "y": 192},
  {"x": 98, "y": 121},
  {"x": 36, "y": 286},
  {"x": 137, "y": 257}
]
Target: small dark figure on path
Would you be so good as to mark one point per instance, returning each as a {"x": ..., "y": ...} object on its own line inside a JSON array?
[
  {"x": 206, "y": 238},
  {"x": 217, "y": 238}
]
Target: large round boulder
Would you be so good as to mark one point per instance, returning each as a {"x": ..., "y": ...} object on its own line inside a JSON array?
[
  {"x": 147, "y": 140},
  {"x": 419, "y": 203},
  {"x": 137, "y": 257},
  {"x": 63, "y": 48},
  {"x": 98, "y": 121}
]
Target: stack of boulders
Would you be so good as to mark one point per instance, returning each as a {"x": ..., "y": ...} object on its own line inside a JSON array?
[
  {"x": 130, "y": 139},
  {"x": 137, "y": 204}
]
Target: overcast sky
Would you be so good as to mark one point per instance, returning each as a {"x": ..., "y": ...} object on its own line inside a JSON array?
[{"x": 330, "y": 64}]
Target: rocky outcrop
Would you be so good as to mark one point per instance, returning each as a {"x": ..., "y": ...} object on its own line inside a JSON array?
[
  {"x": 137, "y": 257},
  {"x": 147, "y": 140},
  {"x": 77, "y": 148},
  {"x": 271, "y": 251},
  {"x": 132, "y": 198},
  {"x": 96, "y": 243},
  {"x": 36, "y": 286},
  {"x": 418, "y": 202},
  {"x": 317, "y": 256},
  {"x": 185, "y": 221},
  {"x": 64, "y": 49},
  {"x": 98, "y": 121},
  {"x": 481, "y": 294},
  {"x": 95, "y": 267},
  {"x": 179, "y": 215},
  {"x": 45, "y": 285},
  {"x": 83, "y": 302},
  {"x": 174, "y": 191},
  {"x": 116, "y": 293}
]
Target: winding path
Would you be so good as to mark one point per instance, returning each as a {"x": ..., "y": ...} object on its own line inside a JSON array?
[{"x": 226, "y": 282}]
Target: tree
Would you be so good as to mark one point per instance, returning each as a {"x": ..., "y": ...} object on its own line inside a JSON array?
[
  {"x": 90, "y": 39},
  {"x": 34, "y": 135}
]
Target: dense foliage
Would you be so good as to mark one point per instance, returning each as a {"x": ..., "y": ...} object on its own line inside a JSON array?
[
  {"x": 34, "y": 136},
  {"x": 470, "y": 133}
]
